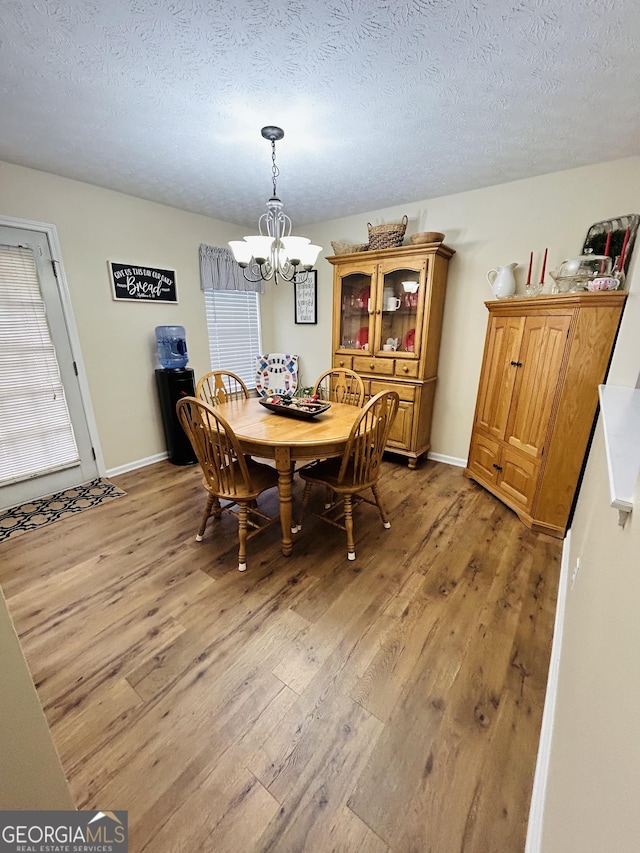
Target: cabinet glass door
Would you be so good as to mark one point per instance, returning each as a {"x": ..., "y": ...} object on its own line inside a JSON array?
[
  {"x": 401, "y": 296},
  {"x": 356, "y": 309}
]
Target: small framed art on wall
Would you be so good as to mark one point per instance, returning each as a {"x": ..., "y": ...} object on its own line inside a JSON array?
[{"x": 306, "y": 292}]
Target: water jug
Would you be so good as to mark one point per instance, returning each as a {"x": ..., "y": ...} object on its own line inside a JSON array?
[
  {"x": 503, "y": 283},
  {"x": 172, "y": 347}
]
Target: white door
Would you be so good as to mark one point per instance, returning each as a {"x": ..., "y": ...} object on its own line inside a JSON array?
[{"x": 45, "y": 437}]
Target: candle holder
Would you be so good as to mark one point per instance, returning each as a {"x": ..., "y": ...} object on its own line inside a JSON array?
[
  {"x": 534, "y": 288},
  {"x": 620, "y": 276}
]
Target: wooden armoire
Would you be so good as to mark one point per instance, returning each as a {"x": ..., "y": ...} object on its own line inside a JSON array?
[{"x": 544, "y": 358}]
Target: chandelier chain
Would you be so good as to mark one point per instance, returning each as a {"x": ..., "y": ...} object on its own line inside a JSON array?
[{"x": 274, "y": 169}]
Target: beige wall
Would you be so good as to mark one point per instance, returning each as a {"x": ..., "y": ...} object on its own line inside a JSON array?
[
  {"x": 117, "y": 338},
  {"x": 31, "y": 775},
  {"x": 487, "y": 227},
  {"x": 594, "y": 770}
]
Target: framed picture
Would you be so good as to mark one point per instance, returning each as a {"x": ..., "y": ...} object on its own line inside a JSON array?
[
  {"x": 306, "y": 292},
  {"x": 142, "y": 284},
  {"x": 614, "y": 238}
]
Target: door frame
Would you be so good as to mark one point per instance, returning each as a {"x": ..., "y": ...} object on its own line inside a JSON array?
[{"x": 51, "y": 234}]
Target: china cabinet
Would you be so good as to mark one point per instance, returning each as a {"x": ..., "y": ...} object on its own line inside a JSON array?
[
  {"x": 544, "y": 358},
  {"x": 387, "y": 321}
]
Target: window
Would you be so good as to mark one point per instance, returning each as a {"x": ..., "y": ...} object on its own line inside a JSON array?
[{"x": 233, "y": 326}]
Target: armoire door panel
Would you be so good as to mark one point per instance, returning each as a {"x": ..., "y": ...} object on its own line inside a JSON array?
[
  {"x": 518, "y": 478},
  {"x": 484, "y": 457},
  {"x": 542, "y": 351},
  {"x": 498, "y": 379}
]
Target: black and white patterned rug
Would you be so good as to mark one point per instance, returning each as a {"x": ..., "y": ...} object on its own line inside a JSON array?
[{"x": 35, "y": 514}]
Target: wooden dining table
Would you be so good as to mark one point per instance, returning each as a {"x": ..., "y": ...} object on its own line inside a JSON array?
[{"x": 287, "y": 440}]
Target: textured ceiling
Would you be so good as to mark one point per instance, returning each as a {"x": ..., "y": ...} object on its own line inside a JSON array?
[{"x": 382, "y": 101}]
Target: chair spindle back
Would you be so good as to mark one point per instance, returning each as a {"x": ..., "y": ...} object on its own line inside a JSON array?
[
  {"x": 369, "y": 434},
  {"x": 221, "y": 386},
  {"x": 216, "y": 446},
  {"x": 341, "y": 385}
]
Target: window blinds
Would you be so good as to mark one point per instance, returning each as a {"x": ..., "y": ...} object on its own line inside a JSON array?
[
  {"x": 36, "y": 435},
  {"x": 233, "y": 325}
]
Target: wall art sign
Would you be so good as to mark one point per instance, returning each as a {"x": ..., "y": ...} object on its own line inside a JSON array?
[
  {"x": 142, "y": 284},
  {"x": 306, "y": 291}
]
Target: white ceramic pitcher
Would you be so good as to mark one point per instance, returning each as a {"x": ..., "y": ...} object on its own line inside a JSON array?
[{"x": 503, "y": 283}]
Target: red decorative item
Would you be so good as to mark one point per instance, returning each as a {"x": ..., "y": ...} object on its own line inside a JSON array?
[
  {"x": 363, "y": 297},
  {"x": 607, "y": 245},
  {"x": 624, "y": 249},
  {"x": 544, "y": 266},
  {"x": 530, "y": 268},
  {"x": 409, "y": 341},
  {"x": 362, "y": 337}
]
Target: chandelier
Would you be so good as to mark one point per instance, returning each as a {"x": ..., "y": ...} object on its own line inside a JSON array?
[{"x": 274, "y": 253}]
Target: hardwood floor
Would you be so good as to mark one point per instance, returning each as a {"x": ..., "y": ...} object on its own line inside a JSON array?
[{"x": 312, "y": 704}]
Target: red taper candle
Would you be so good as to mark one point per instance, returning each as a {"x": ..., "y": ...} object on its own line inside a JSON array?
[
  {"x": 544, "y": 266},
  {"x": 607, "y": 244},
  {"x": 530, "y": 268},
  {"x": 624, "y": 249}
]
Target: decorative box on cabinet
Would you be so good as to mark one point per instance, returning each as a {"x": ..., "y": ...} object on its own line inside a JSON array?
[
  {"x": 372, "y": 306},
  {"x": 544, "y": 358}
]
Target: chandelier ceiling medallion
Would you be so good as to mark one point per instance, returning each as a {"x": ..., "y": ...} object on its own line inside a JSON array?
[{"x": 274, "y": 253}]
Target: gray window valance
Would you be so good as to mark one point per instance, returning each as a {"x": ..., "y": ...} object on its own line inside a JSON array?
[{"x": 219, "y": 270}]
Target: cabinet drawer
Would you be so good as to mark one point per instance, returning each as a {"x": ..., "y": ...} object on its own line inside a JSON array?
[
  {"x": 407, "y": 368},
  {"x": 383, "y": 366},
  {"x": 343, "y": 361},
  {"x": 405, "y": 392}
]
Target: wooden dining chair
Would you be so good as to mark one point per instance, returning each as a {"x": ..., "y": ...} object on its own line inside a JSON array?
[
  {"x": 341, "y": 385},
  {"x": 229, "y": 475},
  {"x": 220, "y": 386},
  {"x": 357, "y": 471}
]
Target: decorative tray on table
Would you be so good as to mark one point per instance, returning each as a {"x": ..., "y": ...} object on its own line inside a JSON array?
[{"x": 294, "y": 407}]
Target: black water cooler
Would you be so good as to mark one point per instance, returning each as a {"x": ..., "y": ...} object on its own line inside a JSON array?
[{"x": 173, "y": 384}]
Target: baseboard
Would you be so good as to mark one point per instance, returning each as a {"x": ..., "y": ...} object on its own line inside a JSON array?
[
  {"x": 539, "y": 792},
  {"x": 139, "y": 463},
  {"x": 448, "y": 460},
  {"x": 142, "y": 463}
]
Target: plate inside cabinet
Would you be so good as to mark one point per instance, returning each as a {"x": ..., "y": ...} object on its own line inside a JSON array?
[
  {"x": 362, "y": 338},
  {"x": 409, "y": 340}
]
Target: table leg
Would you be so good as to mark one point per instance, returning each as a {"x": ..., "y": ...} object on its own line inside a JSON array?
[{"x": 285, "y": 478}]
